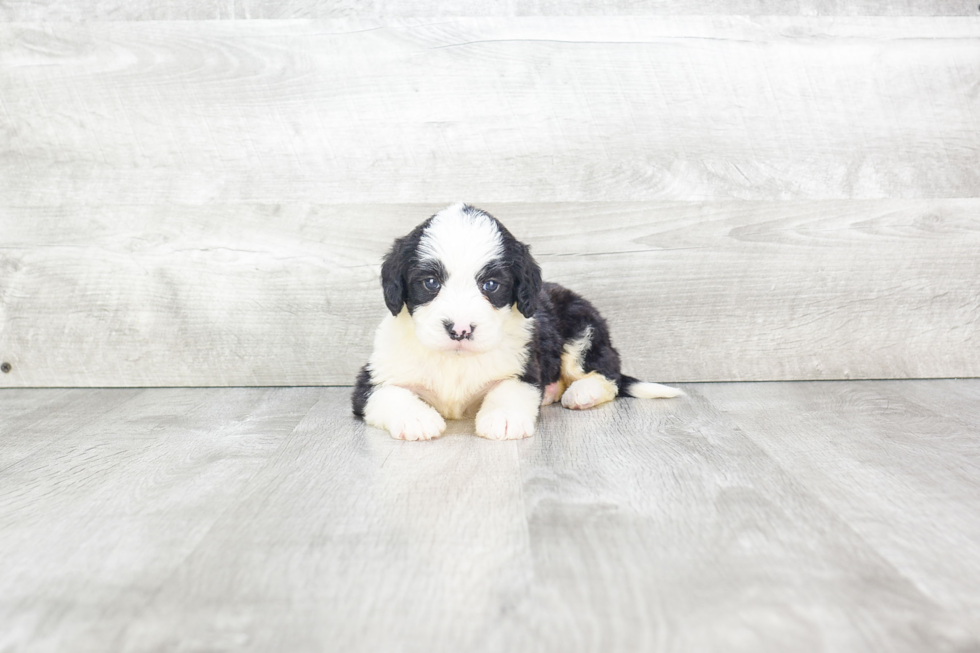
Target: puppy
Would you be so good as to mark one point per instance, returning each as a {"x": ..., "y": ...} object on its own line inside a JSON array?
[{"x": 473, "y": 331}]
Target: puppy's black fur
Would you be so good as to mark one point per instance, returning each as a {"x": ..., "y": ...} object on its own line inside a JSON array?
[
  {"x": 560, "y": 314},
  {"x": 362, "y": 390},
  {"x": 564, "y": 316}
]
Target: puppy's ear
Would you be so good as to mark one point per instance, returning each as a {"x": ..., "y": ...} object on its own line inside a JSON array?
[
  {"x": 393, "y": 271},
  {"x": 527, "y": 277}
]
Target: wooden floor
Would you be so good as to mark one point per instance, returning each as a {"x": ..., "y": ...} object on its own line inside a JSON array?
[{"x": 815, "y": 516}]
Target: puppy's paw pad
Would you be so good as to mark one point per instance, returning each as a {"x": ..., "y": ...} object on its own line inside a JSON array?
[
  {"x": 423, "y": 425},
  {"x": 588, "y": 392},
  {"x": 504, "y": 425}
]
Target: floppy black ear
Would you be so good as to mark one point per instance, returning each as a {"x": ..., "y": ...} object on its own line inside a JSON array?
[
  {"x": 393, "y": 271},
  {"x": 527, "y": 278}
]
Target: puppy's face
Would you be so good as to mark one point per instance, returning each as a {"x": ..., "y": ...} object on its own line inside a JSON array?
[{"x": 461, "y": 275}]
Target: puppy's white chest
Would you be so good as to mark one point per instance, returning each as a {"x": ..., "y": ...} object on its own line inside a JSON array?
[
  {"x": 454, "y": 384},
  {"x": 456, "y": 390}
]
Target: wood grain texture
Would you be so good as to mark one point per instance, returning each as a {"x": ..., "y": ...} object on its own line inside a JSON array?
[
  {"x": 289, "y": 295},
  {"x": 744, "y": 517},
  {"x": 382, "y": 547},
  {"x": 62, "y": 10},
  {"x": 910, "y": 449},
  {"x": 98, "y": 519},
  {"x": 685, "y": 517},
  {"x": 489, "y": 109},
  {"x": 47, "y": 416}
]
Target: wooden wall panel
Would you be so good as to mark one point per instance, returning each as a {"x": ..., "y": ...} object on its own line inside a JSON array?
[
  {"x": 747, "y": 197},
  {"x": 90, "y": 10},
  {"x": 502, "y": 110},
  {"x": 252, "y": 294}
]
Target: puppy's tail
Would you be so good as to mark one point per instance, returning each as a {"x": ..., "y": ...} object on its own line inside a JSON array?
[{"x": 630, "y": 387}]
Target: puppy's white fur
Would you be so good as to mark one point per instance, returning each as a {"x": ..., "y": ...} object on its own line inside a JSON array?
[
  {"x": 591, "y": 390},
  {"x": 647, "y": 390},
  {"x": 509, "y": 411},
  {"x": 400, "y": 412}
]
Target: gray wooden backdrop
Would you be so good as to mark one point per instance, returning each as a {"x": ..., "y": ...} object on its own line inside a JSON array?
[{"x": 749, "y": 189}]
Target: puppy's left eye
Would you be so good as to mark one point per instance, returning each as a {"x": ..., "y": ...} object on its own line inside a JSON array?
[
  {"x": 490, "y": 286},
  {"x": 431, "y": 284}
]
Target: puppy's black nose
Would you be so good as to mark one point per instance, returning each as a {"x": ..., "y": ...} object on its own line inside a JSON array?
[{"x": 456, "y": 333}]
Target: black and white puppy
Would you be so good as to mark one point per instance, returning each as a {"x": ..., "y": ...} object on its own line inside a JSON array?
[{"x": 473, "y": 331}]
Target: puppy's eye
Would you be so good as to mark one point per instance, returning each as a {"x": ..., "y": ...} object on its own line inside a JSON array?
[
  {"x": 431, "y": 284},
  {"x": 490, "y": 286}
]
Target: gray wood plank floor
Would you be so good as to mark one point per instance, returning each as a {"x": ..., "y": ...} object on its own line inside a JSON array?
[{"x": 753, "y": 516}]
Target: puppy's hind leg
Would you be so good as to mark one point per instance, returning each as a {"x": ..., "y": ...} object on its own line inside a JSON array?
[
  {"x": 589, "y": 362},
  {"x": 590, "y": 366},
  {"x": 591, "y": 390}
]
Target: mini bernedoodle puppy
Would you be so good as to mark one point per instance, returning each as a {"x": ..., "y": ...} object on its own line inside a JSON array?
[{"x": 474, "y": 331}]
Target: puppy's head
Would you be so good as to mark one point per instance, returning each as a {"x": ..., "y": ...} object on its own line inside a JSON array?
[{"x": 461, "y": 275}]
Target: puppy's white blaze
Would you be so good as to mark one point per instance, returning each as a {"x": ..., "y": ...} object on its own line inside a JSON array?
[
  {"x": 647, "y": 390},
  {"x": 464, "y": 241},
  {"x": 509, "y": 411},
  {"x": 453, "y": 383}
]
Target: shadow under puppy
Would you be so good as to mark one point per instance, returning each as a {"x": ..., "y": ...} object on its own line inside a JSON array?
[{"x": 473, "y": 331}]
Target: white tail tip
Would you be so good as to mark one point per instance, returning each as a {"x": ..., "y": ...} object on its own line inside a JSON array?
[{"x": 645, "y": 390}]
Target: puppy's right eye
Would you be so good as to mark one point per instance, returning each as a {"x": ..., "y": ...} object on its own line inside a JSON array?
[{"x": 431, "y": 284}]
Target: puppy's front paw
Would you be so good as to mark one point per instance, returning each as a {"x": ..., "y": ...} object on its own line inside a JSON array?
[
  {"x": 501, "y": 424},
  {"x": 421, "y": 423}
]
